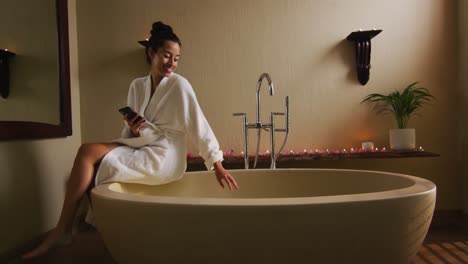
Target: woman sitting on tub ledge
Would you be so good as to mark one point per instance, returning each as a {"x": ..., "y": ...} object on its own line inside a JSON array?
[{"x": 152, "y": 149}]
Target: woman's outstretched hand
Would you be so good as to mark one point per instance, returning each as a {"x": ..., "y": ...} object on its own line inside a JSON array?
[
  {"x": 134, "y": 124},
  {"x": 224, "y": 175}
]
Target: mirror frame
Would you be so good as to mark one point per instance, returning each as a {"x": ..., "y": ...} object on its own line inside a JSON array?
[{"x": 12, "y": 130}]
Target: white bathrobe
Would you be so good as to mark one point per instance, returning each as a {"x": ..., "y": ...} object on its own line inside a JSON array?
[{"x": 158, "y": 156}]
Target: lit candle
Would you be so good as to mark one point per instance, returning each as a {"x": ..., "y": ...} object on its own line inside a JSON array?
[
  {"x": 242, "y": 153},
  {"x": 367, "y": 146},
  {"x": 421, "y": 148},
  {"x": 291, "y": 152},
  {"x": 305, "y": 151},
  {"x": 376, "y": 149}
]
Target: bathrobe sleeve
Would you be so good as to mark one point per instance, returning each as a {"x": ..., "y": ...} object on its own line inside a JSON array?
[{"x": 197, "y": 127}]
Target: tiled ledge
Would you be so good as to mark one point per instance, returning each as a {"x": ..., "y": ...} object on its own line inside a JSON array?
[{"x": 284, "y": 161}]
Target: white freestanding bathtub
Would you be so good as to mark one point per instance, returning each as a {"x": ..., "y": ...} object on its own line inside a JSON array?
[{"x": 277, "y": 216}]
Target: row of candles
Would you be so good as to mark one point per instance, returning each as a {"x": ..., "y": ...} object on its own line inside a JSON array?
[{"x": 364, "y": 148}]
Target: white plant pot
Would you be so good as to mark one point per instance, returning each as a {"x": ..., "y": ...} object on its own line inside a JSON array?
[{"x": 403, "y": 139}]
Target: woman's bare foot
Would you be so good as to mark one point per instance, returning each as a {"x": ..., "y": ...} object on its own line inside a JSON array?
[{"x": 55, "y": 238}]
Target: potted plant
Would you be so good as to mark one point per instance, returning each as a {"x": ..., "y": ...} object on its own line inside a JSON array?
[{"x": 402, "y": 106}]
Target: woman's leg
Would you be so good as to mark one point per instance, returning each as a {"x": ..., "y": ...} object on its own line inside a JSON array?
[{"x": 80, "y": 178}]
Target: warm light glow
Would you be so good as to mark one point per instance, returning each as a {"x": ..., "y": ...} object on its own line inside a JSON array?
[
  {"x": 6, "y": 49},
  {"x": 367, "y": 146},
  {"x": 316, "y": 151}
]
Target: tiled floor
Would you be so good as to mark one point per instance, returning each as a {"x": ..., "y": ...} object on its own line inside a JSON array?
[{"x": 441, "y": 246}]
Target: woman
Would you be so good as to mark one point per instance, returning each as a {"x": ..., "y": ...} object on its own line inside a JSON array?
[{"x": 152, "y": 149}]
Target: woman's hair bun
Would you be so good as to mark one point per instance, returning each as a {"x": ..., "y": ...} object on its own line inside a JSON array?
[
  {"x": 160, "y": 33},
  {"x": 160, "y": 28}
]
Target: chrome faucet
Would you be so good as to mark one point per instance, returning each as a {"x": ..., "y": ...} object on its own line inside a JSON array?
[
  {"x": 265, "y": 126},
  {"x": 270, "y": 89}
]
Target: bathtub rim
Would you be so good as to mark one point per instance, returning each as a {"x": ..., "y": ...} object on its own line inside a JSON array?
[{"x": 421, "y": 186}]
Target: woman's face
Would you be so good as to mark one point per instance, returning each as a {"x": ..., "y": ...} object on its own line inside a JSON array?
[{"x": 164, "y": 60}]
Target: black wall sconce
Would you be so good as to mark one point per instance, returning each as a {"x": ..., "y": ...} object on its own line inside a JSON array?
[
  {"x": 5, "y": 56},
  {"x": 362, "y": 45},
  {"x": 144, "y": 43}
]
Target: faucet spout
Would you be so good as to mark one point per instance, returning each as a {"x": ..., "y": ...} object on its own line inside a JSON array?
[{"x": 270, "y": 88}]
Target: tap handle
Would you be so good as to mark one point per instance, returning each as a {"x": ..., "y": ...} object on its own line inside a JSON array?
[
  {"x": 277, "y": 113},
  {"x": 239, "y": 114}
]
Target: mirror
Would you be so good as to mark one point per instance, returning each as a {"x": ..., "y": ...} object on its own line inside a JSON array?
[{"x": 10, "y": 130}]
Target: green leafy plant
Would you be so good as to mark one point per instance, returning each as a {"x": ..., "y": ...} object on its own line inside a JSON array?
[{"x": 401, "y": 105}]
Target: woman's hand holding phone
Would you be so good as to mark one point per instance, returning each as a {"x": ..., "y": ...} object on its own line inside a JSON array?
[
  {"x": 133, "y": 120},
  {"x": 135, "y": 124}
]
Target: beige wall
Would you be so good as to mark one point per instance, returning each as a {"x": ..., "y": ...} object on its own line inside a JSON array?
[
  {"x": 34, "y": 172},
  {"x": 463, "y": 69},
  {"x": 301, "y": 43}
]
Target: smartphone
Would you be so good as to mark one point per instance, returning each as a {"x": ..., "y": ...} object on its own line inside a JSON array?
[{"x": 130, "y": 113}]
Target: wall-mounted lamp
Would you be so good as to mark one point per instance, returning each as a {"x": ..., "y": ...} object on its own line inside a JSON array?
[
  {"x": 144, "y": 43},
  {"x": 363, "y": 50},
  {"x": 5, "y": 56}
]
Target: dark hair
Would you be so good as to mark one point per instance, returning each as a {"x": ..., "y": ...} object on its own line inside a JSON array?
[{"x": 160, "y": 33}]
